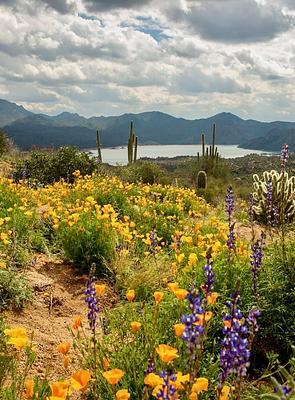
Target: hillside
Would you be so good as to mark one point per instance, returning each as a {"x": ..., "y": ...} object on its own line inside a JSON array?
[
  {"x": 273, "y": 140},
  {"x": 29, "y": 130},
  {"x": 10, "y": 112}
]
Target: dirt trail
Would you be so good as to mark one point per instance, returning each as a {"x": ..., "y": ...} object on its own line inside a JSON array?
[{"x": 58, "y": 297}]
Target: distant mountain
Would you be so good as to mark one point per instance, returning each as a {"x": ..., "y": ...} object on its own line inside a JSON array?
[
  {"x": 273, "y": 140},
  {"x": 40, "y": 130},
  {"x": 10, "y": 112}
]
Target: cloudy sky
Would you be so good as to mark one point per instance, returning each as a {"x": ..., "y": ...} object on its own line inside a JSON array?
[{"x": 188, "y": 58}]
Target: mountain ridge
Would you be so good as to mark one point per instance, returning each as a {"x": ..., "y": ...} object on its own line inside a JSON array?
[{"x": 28, "y": 129}]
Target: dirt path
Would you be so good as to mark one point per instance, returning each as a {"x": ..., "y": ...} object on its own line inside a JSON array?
[{"x": 58, "y": 297}]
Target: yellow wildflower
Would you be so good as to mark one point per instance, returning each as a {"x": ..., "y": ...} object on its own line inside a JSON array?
[
  {"x": 80, "y": 380},
  {"x": 167, "y": 353},
  {"x": 113, "y": 376},
  {"x": 179, "y": 329},
  {"x": 181, "y": 293},
  {"x": 122, "y": 394}
]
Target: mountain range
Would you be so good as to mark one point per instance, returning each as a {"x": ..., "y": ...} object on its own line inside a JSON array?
[{"x": 40, "y": 130}]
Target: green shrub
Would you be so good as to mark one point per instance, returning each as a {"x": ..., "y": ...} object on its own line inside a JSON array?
[
  {"x": 88, "y": 241},
  {"x": 48, "y": 167},
  {"x": 143, "y": 172},
  {"x": 16, "y": 224},
  {"x": 14, "y": 290}
]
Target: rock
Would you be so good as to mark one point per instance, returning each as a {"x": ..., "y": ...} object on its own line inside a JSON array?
[{"x": 39, "y": 282}]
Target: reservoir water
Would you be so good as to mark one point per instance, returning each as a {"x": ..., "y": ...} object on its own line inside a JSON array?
[{"x": 118, "y": 155}]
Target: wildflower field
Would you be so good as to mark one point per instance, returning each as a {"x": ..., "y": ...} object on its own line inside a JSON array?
[{"x": 204, "y": 300}]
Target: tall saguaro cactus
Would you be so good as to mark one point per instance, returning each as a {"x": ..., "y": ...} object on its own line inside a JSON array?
[
  {"x": 98, "y": 146},
  {"x": 210, "y": 154},
  {"x": 132, "y": 145}
]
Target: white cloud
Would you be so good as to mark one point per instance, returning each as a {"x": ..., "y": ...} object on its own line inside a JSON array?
[{"x": 170, "y": 56}]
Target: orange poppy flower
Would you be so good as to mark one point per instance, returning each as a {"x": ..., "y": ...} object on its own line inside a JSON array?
[
  {"x": 17, "y": 337},
  {"x": 224, "y": 393},
  {"x": 158, "y": 296},
  {"x": 166, "y": 353},
  {"x": 77, "y": 322},
  {"x": 153, "y": 380},
  {"x": 122, "y": 394},
  {"x": 80, "y": 380},
  {"x": 130, "y": 295},
  {"x": 66, "y": 362},
  {"x": 113, "y": 376},
  {"x": 100, "y": 289},
  {"x": 181, "y": 293},
  {"x": 204, "y": 317},
  {"x": 179, "y": 329},
  {"x": 200, "y": 385},
  {"x": 227, "y": 323},
  {"x": 64, "y": 348},
  {"x": 172, "y": 286},
  {"x": 29, "y": 389},
  {"x": 211, "y": 298},
  {"x": 135, "y": 326},
  {"x": 59, "y": 390},
  {"x": 105, "y": 363}
]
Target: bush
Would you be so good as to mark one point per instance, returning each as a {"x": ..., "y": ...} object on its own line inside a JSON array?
[
  {"x": 88, "y": 239},
  {"x": 14, "y": 290},
  {"x": 48, "y": 167},
  {"x": 144, "y": 172}
]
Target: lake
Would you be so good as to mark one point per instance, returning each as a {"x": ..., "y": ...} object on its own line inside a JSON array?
[{"x": 118, "y": 155}]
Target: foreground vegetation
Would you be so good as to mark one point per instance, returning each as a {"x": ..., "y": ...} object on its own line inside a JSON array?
[{"x": 206, "y": 305}]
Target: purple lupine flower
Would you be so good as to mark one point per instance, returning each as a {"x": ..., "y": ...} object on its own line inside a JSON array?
[
  {"x": 285, "y": 392},
  {"x": 284, "y": 155},
  {"x": 252, "y": 324},
  {"x": 154, "y": 243},
  {"x": 151, "y": 366},
  {"x": 191, "y": 334},
  {"x": 91, "y": 300},
  {"x": 252, "y": 319},
  {"x": 256, "y": 260},
  {"x": 251, "y": 207},
  {"x": 209, "y": 276},
  {"x": 24, "y": 174},
  {"x": 235, "y": 354},
  {"x": 118, "y": 248},
  {"x": 231, "y": 237},
  {"x": 168, "y": 390},
  {"x": 230, "y": 202}
]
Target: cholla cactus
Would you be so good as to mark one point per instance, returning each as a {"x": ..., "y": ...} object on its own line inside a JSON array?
[{"x": 282, "y": 201}]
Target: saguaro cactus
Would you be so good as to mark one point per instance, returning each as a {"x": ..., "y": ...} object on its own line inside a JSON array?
[
  {"x": 210, "y": 154},
  {"x": 132, "y": 145},
  {"x": 202, "y": 180},
  {"x": 98, "y": 146}
]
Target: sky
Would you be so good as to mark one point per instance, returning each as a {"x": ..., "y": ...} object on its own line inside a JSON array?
[{"x": 188, "y": 58}]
